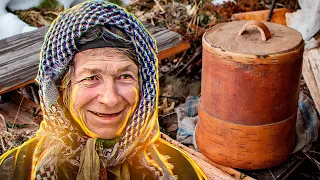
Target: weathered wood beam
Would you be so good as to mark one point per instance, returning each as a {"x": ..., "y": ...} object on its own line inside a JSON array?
[
  {"x": 19, "y": 54},
  {"x": 210, "y": 168}
]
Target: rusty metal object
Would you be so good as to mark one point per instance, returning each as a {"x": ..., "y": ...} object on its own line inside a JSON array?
[{"x": 249, "y": 97}]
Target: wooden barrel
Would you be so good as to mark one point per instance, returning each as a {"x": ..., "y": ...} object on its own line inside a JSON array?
[{"x": 249, "y": 93}]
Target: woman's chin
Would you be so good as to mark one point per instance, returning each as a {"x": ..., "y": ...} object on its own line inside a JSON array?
[{"x": 105, "y": 127}]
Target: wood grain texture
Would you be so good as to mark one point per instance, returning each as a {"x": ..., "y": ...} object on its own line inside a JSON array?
[
  {"x": 311, "y": 74},
  {"x": 174, "y": 50},
  {"x": 20, "y": 54},
  {"x": 245, "y": 147},
  {"x": 225, "y": 36},
  {"x": 248, "y": 101},
  {"x": 250, "y": 89}
]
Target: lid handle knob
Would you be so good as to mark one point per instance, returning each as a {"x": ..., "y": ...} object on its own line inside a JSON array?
[{"x": 264, "y": 31}]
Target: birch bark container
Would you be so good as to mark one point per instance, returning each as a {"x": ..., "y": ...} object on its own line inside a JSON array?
[{"x": 249, "y": 93}]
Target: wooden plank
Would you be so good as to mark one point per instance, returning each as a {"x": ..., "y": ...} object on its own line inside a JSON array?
[
  {"x": 311, "y": 74},
  {"x": 174, "y": 50},
  {"x": 5, "y": 90},
  {"x": 19, "y": 59},
  {"x": 169, "y": 42},
  {"x": 19, "y": 54},
  {"x": 278, "y": 15},
  {"x": 210, "y": 168}
]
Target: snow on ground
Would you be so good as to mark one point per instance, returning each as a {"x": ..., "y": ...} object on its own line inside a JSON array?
[
  {"x": 3, "y": 4},
  {"x": 69, "y": 3},
  {"x": 11, "y": 25},
  {"x": 22, "y": 4},
  {"x": 218, "y": 2}
]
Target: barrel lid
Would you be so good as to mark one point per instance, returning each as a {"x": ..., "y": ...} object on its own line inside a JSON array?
[{"x": 226, "y": 37}]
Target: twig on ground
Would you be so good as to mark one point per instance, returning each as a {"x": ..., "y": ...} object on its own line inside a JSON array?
[
  {"x": 35, "y": 98},
  {"x": 194, "y": 16},
  {"x": 314, "y": 152},
  {"x": 313, "y": 160},
  {"x": 193, "y": 58},
  {"x": 2, "y": 145},
  {"x": 170, "y": 97},
  {"x": 159, "y": 5},
  {"x": 178, "y": 62},
  {"x": 271, "y": 174},
  {"x": 170, "y": 108},
  {"x": 4, "y": 122},
  {"x": 38, "y": 109},
  {"x": 15, "y": 119},
  {"x": 165, "y": 115},
  {"x": 50, "y": 12}
]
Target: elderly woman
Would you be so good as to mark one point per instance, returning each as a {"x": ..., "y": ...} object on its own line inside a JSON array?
[{"x": 99, "y": 90}]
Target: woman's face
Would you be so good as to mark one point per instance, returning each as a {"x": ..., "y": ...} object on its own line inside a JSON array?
[{"x": 104, "y": 91}]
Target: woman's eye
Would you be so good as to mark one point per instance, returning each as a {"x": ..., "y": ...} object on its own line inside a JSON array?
[
  {"x": 91, "y": 78},
  {"x": 126, "y": 76}
]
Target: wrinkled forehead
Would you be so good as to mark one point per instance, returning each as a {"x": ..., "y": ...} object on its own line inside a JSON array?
[{"x": 104, "y": 58}]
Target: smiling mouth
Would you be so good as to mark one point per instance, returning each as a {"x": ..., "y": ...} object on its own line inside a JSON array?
[{"x": 105, "y": 115}]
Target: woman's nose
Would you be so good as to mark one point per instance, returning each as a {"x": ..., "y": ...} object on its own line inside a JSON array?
[{"x": 108, "y": 94}]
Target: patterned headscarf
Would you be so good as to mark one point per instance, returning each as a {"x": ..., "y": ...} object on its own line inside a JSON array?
[{"x": 62, "y": 141}]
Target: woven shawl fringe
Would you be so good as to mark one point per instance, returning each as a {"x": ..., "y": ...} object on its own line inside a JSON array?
[{"x": 89, "y": 162}]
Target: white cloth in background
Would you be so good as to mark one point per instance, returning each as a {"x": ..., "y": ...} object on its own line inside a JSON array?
[{"x": 308, "y": 22}]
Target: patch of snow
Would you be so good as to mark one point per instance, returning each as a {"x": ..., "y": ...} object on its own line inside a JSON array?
[
  {"x": 10, "y": 25},
  {"x": 23, "y": 4},
  {"x": 127, "y": 2},
  {"x": 75, "y": 2},
  {"x": 219, "y": 2},
  {"x": 28, "y": 28},
  {"x": 69, "y": 3},
  {"x": 3, "y": 5}
]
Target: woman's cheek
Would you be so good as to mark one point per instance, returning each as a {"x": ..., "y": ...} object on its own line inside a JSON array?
[
  {"x": 130, "y": 93},
  {"x": 82, "y": 95}
]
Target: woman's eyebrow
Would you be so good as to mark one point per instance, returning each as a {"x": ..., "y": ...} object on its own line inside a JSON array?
[{"x": 130, "y": 67}]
